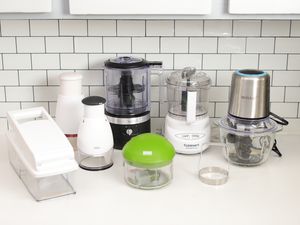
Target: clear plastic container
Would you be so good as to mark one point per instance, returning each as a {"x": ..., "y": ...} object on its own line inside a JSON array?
[{"x": 249, "y": 141}]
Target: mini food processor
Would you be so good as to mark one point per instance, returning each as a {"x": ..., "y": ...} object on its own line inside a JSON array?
[
  {"x": 127, "y": 82},
  {"x": 248, "y": 129},
  {"x": 187, "y": 124},
  {"x": 148, "y": 161}
]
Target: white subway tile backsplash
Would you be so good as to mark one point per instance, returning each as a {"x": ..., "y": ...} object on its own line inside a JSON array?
[
  {"x": 154, "y": 109},
  {"x": 286, "y": 78},
  {"x": 145, "y": 44},
  {"x": 215, "y": 61},
  {"x": 73, "y": 27},
  {"x": 88, "y": 44},
  {"x": 273, "y": 61},
  {"x": 15, "y": 27},
  {"x": 295, "y": 28},
  {"x": 33, "y": 77},
  {"x": 117, "y": 44},
  {"x": 26, "y": 105},
  {"x": 96, "y": 61},
  {"x": 174, "y": 45},
  {"x": 189, "y": 28},
  {"x": 287, "y": 110},
  {"x": 221, "y": 109},
  {"x": 7, "y": 45},
  {"x": 212, "y": 74},
  {"x": 244, "y": 61},
  {"x": 102, "y": 27},
  {"x": 154, "y": 93},
  {"x": 52, "y": 108},
  {"x": 260, "y": 45},
  {"x": 9, "y": 77},
  {"x": 277, "y": 94},
  {"x": 275, "y": 28},
  {"x": 44, "y": 27},
  {"x": 59, "y": 44},
  {"x": 167, "y": 59},
  {"x": 46, "y": 93},
  {"x": 217, "y": 28},
  {"x": 203, "y": 45},
  {"x": 53, "y": 76},
  {"x": 231, "y": 45},
  {"x": 246, "y": 28},
  {"x": 287, "y": 45},
  {"x": 97, "y": 90},
  {"x": 8, "y": 106},
  {"x": 131, "y": 28},
  {"x": 19, "y": 94},
  {"x": 45, "y": 61},
  {"x": 1, "y": 66},
  {"x": 184, "y": 60},
  {"x": 292, "y": 94},
  {"x": 16, "y": 61},
  {"x": 30, "y": 44},
  {"x": 74, "y": 61},
  {"x": 218, "y": 94},
  {"x": 294, "y": 62},
  {"x": 160, "y": 28},
  {"x": 2, "y": 94},
  {"x": 91, "y": 77},
  {"x": 224, "y": 77}
]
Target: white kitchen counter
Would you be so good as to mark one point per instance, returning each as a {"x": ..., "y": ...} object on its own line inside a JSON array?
[{"x": 267, "y": 194}]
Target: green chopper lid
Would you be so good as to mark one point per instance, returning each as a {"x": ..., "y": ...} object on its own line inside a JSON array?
[{"x": 149, "y": 150}]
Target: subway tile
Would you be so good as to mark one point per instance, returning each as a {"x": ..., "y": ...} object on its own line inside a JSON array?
[
  {"x": 272, "y": 62},
  {"x": 154, "y": 93},
  {"x": 286, "y": 78},
  {"x": 224, "y": 77},
  {"x": 73, "y": 27},
  {"x": 174, "y": 45},
  {"x": 218, "y": 94},
  {"x": 154, "y": 109},
  {"x": 244, "y": 61},
  {"x": 97, "y": 90},
  {"x": 260, "y": 45},
  {"x": 8, "y": 106},
  {"x": 44, "y": 27},
  {"x": 52, "y": 109},
  {"x": 30, "y": 44},
  {"x": 8, "y": 77},
  {"x": 88, "y": 44},
  {"x": 45, "y": 61},
  {"x": 59, "y": 44},
  {"x": 167, "y": 59},
  {"x": 211, "y": 109},
  {"x": 96, "y": 61},
  {"x": 231, "y": 45},
  {"x": 189, "y": 28},
  {"x": 53, "y": 76},
  {"x": 163, "y": 110},
  {"x": 74, "y": 61},
  {"x": 145, "y": 44},
  {"x": 1, "y": 66},
  {"x": 16, "y": 61},
  {"x": 131, "y": 27},
  {"x": 116, "y": 44},
  {"x": 14, "y": 27},
  {"x": 160, "y": 28},
  {"x": 91, "y": 77},
  {"x": 45, "y": 93},
  {"x": 276, "y": 94},
  {"x": 157, "y": 125},
  {"x": 33, "y": 77},
  {"x": 294, "y": 62},
  {"x": 287, "y": 45},
  {"x": 292, "y": 94},
  {"x": 246, "y": 28},
  {"x": 203, "y": 45},
  {"x": 190, "y": 60},
  {"x": 288, "y": 110},
  {"x": 102, "y": 27},
  {"x": 216, "y": 62},
  {"x": 295, "y": 28},
  {"x": 217, "y": 28},
  {"x": 212, "y": 74},
  {"x": 26, "y": 105},
  {"x": 275, "y": 28},
  {"x": 221, "y": 109},
  {"x": 19, "y": 94},
  {"x": 7, "y": 45},
  {"x": 2, "y": 94},
  {"x": 135, "y": 55}
]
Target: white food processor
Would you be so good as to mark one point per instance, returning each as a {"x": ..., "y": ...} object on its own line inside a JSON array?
[{"x": 187, "y": 124}]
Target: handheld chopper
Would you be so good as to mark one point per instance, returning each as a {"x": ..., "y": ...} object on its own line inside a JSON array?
[
  {"x": 187, "y": 124},
  {"x": 127, "y": 81}
]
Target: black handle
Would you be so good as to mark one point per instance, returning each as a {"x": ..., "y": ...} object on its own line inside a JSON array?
[
  {"x": 278, "y": 119},
  {"x": 154, "y": 63},
  {"x": 275, "y": 149}
]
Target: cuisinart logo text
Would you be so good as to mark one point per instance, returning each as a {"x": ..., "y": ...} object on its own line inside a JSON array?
[
  {"x": 248, "y": 97},
  {"x": 191, "y": 145}
]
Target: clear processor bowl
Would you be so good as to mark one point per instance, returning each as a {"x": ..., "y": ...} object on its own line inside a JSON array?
[{"x": 249, "y": 141}]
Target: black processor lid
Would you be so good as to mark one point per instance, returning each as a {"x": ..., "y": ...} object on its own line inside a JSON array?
[
  {"x": 93, "y": 100},
  {"x": 127, "y": 62}
]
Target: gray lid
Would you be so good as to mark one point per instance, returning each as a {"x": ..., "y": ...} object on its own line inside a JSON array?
[{"x": 188, "y": 77}]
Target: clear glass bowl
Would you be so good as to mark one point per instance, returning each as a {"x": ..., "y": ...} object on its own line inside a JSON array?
[
  {"x": 249, "y": 141},
  {"x": 147, "y": 177}
]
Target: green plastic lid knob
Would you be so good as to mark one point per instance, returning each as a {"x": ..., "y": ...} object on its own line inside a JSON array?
[{"x": 149, "y": 150}]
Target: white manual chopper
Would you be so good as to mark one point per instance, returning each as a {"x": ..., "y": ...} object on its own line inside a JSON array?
[{"x": 187, "y": 124}]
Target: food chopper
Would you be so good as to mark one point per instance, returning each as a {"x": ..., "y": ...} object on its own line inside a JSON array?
[
  {"x": 187, "y": 124},
  {"x": 127, "y": 82}
]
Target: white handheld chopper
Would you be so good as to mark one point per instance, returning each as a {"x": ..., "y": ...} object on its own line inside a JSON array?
[{"x": 187, "y": 124}]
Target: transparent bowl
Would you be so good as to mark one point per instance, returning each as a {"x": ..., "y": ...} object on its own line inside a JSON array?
[
  {"x": 249, "y": 142},
  {"x": 147, "y": 177}
]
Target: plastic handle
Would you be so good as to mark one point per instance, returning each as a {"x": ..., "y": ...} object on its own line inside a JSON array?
[{"x": 191, "y": 106}]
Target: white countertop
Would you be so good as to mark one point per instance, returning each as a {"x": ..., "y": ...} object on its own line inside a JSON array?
[{"x": 267, "y": 194}]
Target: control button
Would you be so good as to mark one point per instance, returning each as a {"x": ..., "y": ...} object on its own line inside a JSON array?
[{"x": 129, "y": 132}]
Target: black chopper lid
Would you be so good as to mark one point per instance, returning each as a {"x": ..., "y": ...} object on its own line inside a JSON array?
[
  {"x": 93, "y": 100},
  {"x": 127, "y": 62}
]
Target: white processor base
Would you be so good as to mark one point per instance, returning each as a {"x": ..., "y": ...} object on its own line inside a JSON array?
[{"x": 187, "y": 138}]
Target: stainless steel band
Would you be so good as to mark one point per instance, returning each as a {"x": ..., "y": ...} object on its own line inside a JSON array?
[{"x": 128, "y": 121}]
